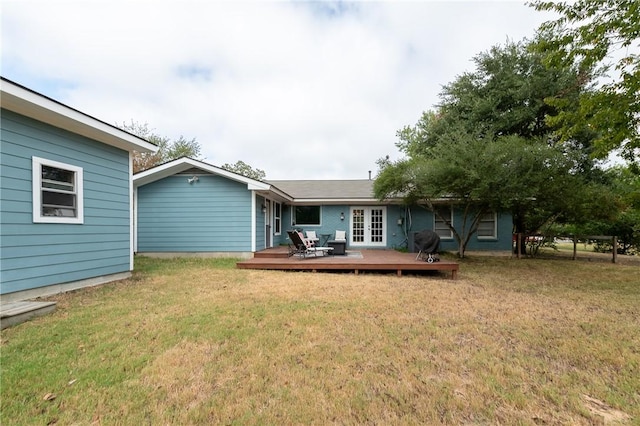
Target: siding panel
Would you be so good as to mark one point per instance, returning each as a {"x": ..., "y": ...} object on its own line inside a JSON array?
[
  {"x": 39, "y": 254},
  {"x": 210, "y": 215}
]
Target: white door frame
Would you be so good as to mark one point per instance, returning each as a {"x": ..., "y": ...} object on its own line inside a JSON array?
[
  {"x": 268, "y": 223},
  {"x": 368, "y": 226}
]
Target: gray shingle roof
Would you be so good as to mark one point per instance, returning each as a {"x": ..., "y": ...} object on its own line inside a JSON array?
[{"x": 326, "y": 189}]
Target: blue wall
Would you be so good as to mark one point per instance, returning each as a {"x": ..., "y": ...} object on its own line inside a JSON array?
[
  {"x": 423, "y": 219},
  {"x": 414, "y": 220},
  {"x": 210, "y": 215},
  {"x": 35, "y": 255},
  {"x": 329, "y": 221}
]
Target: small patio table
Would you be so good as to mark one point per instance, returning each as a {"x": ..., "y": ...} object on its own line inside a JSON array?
[{"x": 324, "y": 238}]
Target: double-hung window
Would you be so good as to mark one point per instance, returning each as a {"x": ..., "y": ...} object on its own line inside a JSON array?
[
  {"x": 439, "y": 225},
  {"x": 488, "y": 226},
  {"x": 277, "y": 218},
  {"x": 57, "y": 192}
]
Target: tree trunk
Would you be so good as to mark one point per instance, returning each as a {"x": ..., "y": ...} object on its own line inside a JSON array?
[{"x": 519, "y": 228}]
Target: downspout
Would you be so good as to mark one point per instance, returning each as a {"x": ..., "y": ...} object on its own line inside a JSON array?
[
  {"x": 133, "y": 226},
  {"x": 135, "y": 220}
]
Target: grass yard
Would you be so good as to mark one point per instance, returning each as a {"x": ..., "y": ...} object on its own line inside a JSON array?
[{"x": 196, "y": 341}]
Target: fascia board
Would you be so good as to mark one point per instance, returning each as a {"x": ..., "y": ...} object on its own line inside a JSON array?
[
  {"x": 160, "y": 172},
  {"x": 181, "y": 164},
  {"x": 258, "y": 186},
  {"x": 340, "y": 201},
  {"x": 31, "y": 104}
]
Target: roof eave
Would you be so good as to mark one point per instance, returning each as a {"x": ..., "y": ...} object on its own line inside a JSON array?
[
  {"x": 341, "y": 201},
  {"x": 182, "y": 164},
  {"x": 23, "y": 101}
]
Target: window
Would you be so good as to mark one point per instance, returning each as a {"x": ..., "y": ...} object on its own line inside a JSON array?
[
  {"x": 277, "y": 214},
  {"x": 487, "y": 227},
  {"x": 57, "y": 192},
  {"x": 306, "y": 215},
  {"x": 440, "y": 226}
]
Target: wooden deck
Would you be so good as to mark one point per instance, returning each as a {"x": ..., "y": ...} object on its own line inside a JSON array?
[{"x": 369, "y": 260}]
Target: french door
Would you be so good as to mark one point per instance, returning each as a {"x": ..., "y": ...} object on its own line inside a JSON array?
[{"x": 368, "y": 226}]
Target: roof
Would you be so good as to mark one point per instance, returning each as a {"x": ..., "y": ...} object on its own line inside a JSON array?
[
  {"x": 289, "y": 191},
  {"x": 23, "y": 101},
  {"x": 327, "y": 191},
  {"x": 185, "y": 163}
]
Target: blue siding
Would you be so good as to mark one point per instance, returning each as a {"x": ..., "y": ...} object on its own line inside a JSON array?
[
  {"x": 400, "y": 236},
  {"x": 329, "y": 221},
  {"x": 424, "y": 219},
  {"x": 35, "y": 255},
  {"x": 397, "y": 236},
  {"x": 210, "y": 215}
]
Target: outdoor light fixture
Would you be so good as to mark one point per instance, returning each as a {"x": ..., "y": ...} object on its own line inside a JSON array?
[
  {"x": 341, "y": 215},
  {"x": 264, "y": 208},
  {"x": 193, "y": 179}
]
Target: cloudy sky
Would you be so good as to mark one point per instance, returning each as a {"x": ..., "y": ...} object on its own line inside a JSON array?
[{"x": 301, "y": 90}]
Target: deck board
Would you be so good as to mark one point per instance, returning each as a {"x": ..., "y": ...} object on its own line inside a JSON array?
[
  {"x": 371, "y": 260},
  {"x": 18, "y": 312}
]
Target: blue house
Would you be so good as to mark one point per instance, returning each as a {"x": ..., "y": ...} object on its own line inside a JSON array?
[
  {"x": 191, "y": 207},
  {"x": 66, "y": 212}
]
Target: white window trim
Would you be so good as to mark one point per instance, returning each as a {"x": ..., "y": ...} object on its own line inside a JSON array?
[
  {"x": 435, "y": 219},
  {"x": 36, "y": 173},
  {"x": 296, "y": 224},
  {"x": 495, "y": 229},
  {"x": 277, "y": 218}
]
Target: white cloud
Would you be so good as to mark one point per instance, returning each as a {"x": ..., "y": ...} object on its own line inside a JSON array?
[{"x": 300, "y": 90}]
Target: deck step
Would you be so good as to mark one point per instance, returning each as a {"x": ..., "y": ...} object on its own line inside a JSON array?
[
  {"x": 274, "y": 253},
  {"x": 18, "y": 312}
]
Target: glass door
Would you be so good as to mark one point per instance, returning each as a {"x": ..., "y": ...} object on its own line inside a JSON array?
[{"x": 368, "y": 226}]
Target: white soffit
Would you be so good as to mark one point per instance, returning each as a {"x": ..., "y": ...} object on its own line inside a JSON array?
[{"x": 31, "y": 104}]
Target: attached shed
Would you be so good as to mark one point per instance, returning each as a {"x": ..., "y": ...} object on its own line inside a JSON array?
[
  {"x": 188, "y": 207},
  {"x": 66, "y": 213}
]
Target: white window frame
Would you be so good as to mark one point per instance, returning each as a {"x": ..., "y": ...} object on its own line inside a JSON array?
[
  {"x": 78, "y": 191},
  {"x": 437, "y": 220},
  {"x": 277, "y": 218},
  {"x": 294, "y": 219},
  {"x": 485, "y": 218}
]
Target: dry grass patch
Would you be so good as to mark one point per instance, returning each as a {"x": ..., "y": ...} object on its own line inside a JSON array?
[{"x": 198, "y": 342}]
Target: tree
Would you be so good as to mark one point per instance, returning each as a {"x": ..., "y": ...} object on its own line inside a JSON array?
[
  {"x": 479, "y": 177},
  {"x": 623, "y": 188},
  {"x": 506, "y": 94},
  {"x": 167, "y": 150},
  {"x": 488, "y": 146},
  {"x": 242, "y": 168},
  {"x": 585, "y": 36}
]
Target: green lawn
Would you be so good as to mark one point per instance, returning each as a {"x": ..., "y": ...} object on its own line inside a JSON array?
[{"x": 197, "y": 341}]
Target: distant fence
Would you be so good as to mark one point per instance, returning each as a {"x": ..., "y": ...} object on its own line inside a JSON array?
[{"x": 520, "y": 239}]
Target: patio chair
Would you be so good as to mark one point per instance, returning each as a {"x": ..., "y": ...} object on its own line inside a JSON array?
[
  {"x": 303, "y": 248},
  {"x": 311, "y": 236},
  {"x": 339, "y": 244}
]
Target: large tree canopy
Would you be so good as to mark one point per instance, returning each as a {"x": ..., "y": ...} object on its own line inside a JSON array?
[
  {"x": 167, "y": 149},
  {"x": 480, "y": 176},
  {"x": 588, "y": 34},
  {"x": 505, "y": 95},
  {"x": 488, "y": 146}
]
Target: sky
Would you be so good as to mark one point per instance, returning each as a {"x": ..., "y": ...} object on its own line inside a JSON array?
[{"x": 301, "y": 90}]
